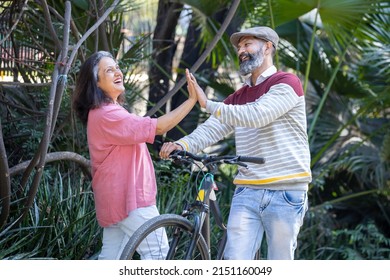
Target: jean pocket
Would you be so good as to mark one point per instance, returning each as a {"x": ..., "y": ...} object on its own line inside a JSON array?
[
  {"x": 239, "y": 190},
  {"x": 295, "y": 197}
]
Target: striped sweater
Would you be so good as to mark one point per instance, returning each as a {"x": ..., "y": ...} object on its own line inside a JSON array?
[{"x": 269, "y": 120}]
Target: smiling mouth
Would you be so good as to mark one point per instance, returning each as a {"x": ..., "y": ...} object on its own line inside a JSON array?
[{"x": 244, "y": 57}]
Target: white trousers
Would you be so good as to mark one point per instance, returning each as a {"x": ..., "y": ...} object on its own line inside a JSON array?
[{"x": 116, "y": 236}]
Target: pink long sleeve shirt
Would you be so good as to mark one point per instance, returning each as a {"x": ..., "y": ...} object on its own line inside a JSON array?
[{"x": 123, "y": 176}]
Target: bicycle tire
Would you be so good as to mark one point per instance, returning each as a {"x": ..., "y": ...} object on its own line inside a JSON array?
[{"x": 169, "y": 222}]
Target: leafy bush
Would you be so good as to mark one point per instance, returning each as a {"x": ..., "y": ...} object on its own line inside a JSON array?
[{"x": 321, "y": 238}]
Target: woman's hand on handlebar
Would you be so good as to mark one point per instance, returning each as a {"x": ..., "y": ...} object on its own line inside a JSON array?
[{"x": 167, "y": 148}]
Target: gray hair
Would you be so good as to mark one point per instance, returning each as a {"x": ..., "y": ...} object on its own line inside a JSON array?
[{"x": 100, "y": 55}]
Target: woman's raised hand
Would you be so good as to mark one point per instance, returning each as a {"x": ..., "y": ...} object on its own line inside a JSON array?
[{"x": 194, "y": 89}]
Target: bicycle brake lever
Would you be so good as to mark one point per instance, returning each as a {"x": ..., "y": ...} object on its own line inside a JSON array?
[
  {"x": 242, "y": 164},
  {"x": 234, "y": 161}
]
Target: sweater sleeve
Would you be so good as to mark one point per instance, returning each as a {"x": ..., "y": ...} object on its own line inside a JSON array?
[
  {"x": 206, "y": 134},
  {"x": 280, "y": 99}
]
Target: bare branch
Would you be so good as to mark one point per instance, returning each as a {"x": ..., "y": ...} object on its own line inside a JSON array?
[
  {"x": 49, "y": 24},
  {"x": 56, "y": 156},
  {"x": 56, "y": 90},
  {"x": 15, "y": 24},
  {"x": 5, "y": 183},
  {"x": 92, "y": 29},
  {"x": 73, "y": 26}
]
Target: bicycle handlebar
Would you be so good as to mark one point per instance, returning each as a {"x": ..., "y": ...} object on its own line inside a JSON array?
[{"x": 230, "y": 159}]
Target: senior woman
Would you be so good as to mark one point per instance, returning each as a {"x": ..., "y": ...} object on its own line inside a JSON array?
[{"x": 123, "y": 177}]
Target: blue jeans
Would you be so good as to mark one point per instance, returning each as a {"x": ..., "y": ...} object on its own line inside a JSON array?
[{"x": 277, "y": 213}]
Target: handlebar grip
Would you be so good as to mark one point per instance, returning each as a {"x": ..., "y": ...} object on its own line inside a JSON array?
[
  {"x": 206, "y": 158},
  {"x": 187, "y": 154},
  {"x": 258, "y": 160}
]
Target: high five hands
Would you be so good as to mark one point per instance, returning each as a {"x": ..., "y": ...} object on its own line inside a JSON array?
[{"x": 193, "y": 87}]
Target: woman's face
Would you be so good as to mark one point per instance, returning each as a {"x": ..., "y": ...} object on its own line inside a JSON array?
[{"x": 110, "y": 79}]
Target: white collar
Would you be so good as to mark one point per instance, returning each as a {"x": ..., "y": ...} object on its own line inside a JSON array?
[{"x": 268, "y": 72}]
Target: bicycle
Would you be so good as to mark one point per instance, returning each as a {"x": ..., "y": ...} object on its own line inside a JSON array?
[{"x": 189, "y": 233}]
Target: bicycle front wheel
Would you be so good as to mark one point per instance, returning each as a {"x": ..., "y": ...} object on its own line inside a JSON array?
[{"x": 179, "y": 231}]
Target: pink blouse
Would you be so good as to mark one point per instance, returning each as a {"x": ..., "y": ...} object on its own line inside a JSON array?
[{"x": 123, "y": 176}]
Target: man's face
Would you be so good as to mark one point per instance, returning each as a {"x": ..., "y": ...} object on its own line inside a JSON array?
[{"x": 250, "y": 54}]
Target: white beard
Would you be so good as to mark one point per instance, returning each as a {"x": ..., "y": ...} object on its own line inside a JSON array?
[{"x": 254, "y": 61}]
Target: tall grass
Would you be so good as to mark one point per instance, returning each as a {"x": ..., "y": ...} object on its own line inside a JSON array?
[{"x": 60, "y": 225}]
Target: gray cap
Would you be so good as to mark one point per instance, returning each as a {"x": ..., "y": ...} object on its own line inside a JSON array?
[{"x": 261, "y": 32}]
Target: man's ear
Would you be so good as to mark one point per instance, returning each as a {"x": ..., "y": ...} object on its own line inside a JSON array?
[{"x": 269, "y": 47}]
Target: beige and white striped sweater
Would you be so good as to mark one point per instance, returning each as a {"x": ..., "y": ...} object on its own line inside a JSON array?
[{"x": 269, "y": 120}]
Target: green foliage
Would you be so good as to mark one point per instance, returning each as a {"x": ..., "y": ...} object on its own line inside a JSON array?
[
  {"x": 61, "y": 224},
  {"x": 364, "y": 242},
  {"x": 320, "y": 238},
  {"x": 173, "y": 187},
  {"x": 23, "y": 122},
  {"x": 385, "y": 151}
]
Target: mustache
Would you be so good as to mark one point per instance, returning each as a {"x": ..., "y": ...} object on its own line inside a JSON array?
[{"x": 244, "y": 55}]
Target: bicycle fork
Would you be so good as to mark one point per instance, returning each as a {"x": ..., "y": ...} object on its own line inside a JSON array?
[
  {"x": 201, "y": 221},
  {"x": 204, "y": 197}
]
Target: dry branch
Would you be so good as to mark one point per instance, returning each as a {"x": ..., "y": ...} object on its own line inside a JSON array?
[{"x": 56, "y": 156}]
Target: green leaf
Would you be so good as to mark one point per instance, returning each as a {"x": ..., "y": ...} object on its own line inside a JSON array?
[{"x": 82, "y": 4}]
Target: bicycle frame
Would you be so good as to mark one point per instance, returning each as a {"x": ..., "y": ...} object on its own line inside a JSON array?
[
  {"x": 205, "y": 202},
  {"x": 190, "y": 231}
]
